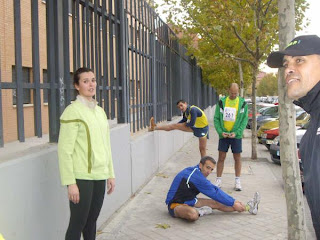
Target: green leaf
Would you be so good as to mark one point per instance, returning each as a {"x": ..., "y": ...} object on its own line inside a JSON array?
[{"x": 162, "y": 225}]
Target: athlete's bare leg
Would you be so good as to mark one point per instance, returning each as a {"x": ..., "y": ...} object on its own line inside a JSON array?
[
  {"x": 220, "y": 164},
  {"x": 237, "y": 164},
  {"x": 213, "y": 204},
  {"x": 203, "y": 146},
  {"x": 186, "y": 212},
  {"x": 174, "y": 126}
]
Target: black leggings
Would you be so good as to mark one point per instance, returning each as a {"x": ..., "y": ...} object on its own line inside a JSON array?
[{"x": 84, "y": 215}]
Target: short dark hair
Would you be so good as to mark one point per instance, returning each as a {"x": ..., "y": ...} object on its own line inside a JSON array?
[
  {"x": 76, "y": 76},
  {"x": 207, "y": 158},
  {"x": 181, "y": 101}
]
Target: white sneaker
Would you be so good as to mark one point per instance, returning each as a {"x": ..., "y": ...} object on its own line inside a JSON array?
[
  {"x": 237, "y": 186},
  {"x": 253, "y": 204},
  {"x": 218, "y": 183},
  {"x": 205, "y": 210}
]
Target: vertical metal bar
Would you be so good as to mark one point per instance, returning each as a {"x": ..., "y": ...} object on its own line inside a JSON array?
[
  {"x": 87, "y": 42},
  {"x": 99, "y": 59},
  {"x": 18, "y": 68},
  {"x": 123, "y": 68},
  {"x": 117, "y": 55},
  {"x": 66, "y": 49},
  {"x": 1, "y": 109},
  {"x": 143, "y": 53},
  {"x": 105, "y": 60},
  {"x": 36, "y": 68},
  {"x": 96, "y": 48},
  {"x": 111, "y": 54},
  {"x": 169, "y": 83},
  {"x": 132, "y": 95},
  {"x": 136, "y": 112},
  {"x": 92, "y": 43},
  {"x": 53, "y": 136},
  {"x": 74, "y": 36},
  {"x": 140, "y": 77},
  {"x": 153, "y": 68},
  {"x": 59, "y": 58},
  {"x": 180, "y": 73},
  {"x": 78, "y": 34},
  {"x": 83, "y": 24}
]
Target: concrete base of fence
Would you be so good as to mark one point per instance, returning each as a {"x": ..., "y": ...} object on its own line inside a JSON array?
[{"x": 33, "y": 203}]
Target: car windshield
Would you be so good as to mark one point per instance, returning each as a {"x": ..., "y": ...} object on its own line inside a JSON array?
[
  {"x": 270, "y": 111},
  {"x": 301, "y": 115},
  {"x": 305, "y": 126}
]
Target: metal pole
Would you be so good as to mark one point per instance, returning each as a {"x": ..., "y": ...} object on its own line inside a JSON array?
[{"x": 123, "y": 77}]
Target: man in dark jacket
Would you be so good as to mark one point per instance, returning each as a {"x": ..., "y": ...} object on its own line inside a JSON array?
[{"x": 301, "y": 62}]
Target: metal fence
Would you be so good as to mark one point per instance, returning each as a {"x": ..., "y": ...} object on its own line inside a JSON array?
[{"x": 140, "y": 67}]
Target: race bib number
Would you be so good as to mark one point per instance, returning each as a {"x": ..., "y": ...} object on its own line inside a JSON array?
[{"x": 229, "y": 114}]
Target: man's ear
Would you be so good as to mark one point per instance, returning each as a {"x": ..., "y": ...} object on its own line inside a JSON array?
[{"x": 200, "y": 165}]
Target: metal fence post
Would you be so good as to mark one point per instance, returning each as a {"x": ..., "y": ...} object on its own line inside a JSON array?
[
  {"x": 123, "y": 95},
  {"x": 36, "y": 68},
  {"x": 60, "y": 61},
  {"x": 1, "y": 109},
  {"x": 153, "y": 74},
  {"x": 18, "y": 69},
  {"x": 55, "y": 65},
  {"x": 169, "y": 84}
]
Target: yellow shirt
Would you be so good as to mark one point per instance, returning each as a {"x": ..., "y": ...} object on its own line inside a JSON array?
[{"x": 230, "y": 113}]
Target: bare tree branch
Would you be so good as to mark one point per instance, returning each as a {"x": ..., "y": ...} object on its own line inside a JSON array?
[{"x": 241, "y": 40}]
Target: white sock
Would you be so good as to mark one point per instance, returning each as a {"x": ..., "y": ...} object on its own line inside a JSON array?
[{"x": 237, "y": 179}]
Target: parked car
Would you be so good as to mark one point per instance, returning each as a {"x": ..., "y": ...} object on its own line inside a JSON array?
[
  {"x": 261, "y": 107},
  {"x": 275, "y": 150},
  {"x": 268, "y": 114},
  {"x": 275, "y": 146},
  {"x": 302, "y": 118},
  {"x": 268, "y": 137}
]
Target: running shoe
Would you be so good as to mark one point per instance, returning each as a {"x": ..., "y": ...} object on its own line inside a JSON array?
[
  {"x": 205, "y": 210},
  {"x": 237, "y": 186},
  {"x": 218, "y": 183},
  {"x": 252, "y": 205}
]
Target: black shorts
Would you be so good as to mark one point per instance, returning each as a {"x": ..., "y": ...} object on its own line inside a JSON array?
[
  {"x": 236, "y": 145},
  {"x": 201, "y": 132}
]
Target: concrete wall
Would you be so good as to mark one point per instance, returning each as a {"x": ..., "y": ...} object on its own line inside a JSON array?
[{"x": 33, "y": 204}]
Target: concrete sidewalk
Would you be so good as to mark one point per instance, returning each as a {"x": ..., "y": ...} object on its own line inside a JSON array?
[{"x": 141, "y": 216}]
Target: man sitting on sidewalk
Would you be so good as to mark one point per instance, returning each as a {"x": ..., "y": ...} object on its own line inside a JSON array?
[
  {"x": 194, "y": 120},
  {"x": 183, "y": 203}
]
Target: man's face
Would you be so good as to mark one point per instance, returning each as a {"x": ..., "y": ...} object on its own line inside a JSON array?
[
  {"x": 182, "y": 106},
  {"x": 207, "y": 168},
  {"x": 302, "y": 73},
  {"x": 233, "y": 92}
]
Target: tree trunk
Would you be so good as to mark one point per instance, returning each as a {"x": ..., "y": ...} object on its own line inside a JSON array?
[
  {"x": 241, "y": 79},
  {"x": 288, "y": 145},
  {"x": 254, "y": 110}
]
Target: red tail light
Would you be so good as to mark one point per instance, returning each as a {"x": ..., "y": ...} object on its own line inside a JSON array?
[{"x": 299, "y": 154}]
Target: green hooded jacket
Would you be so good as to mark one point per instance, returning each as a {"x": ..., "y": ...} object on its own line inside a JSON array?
[
  {"x": 84, "y": 148},
  {"x": 241, "y": 121}
]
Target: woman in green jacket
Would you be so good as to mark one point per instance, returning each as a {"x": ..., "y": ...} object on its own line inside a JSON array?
[{"x": 85, "y": 159}]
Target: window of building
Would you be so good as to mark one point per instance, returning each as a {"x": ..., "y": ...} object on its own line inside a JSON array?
[{"x": 26, "y": 79}]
